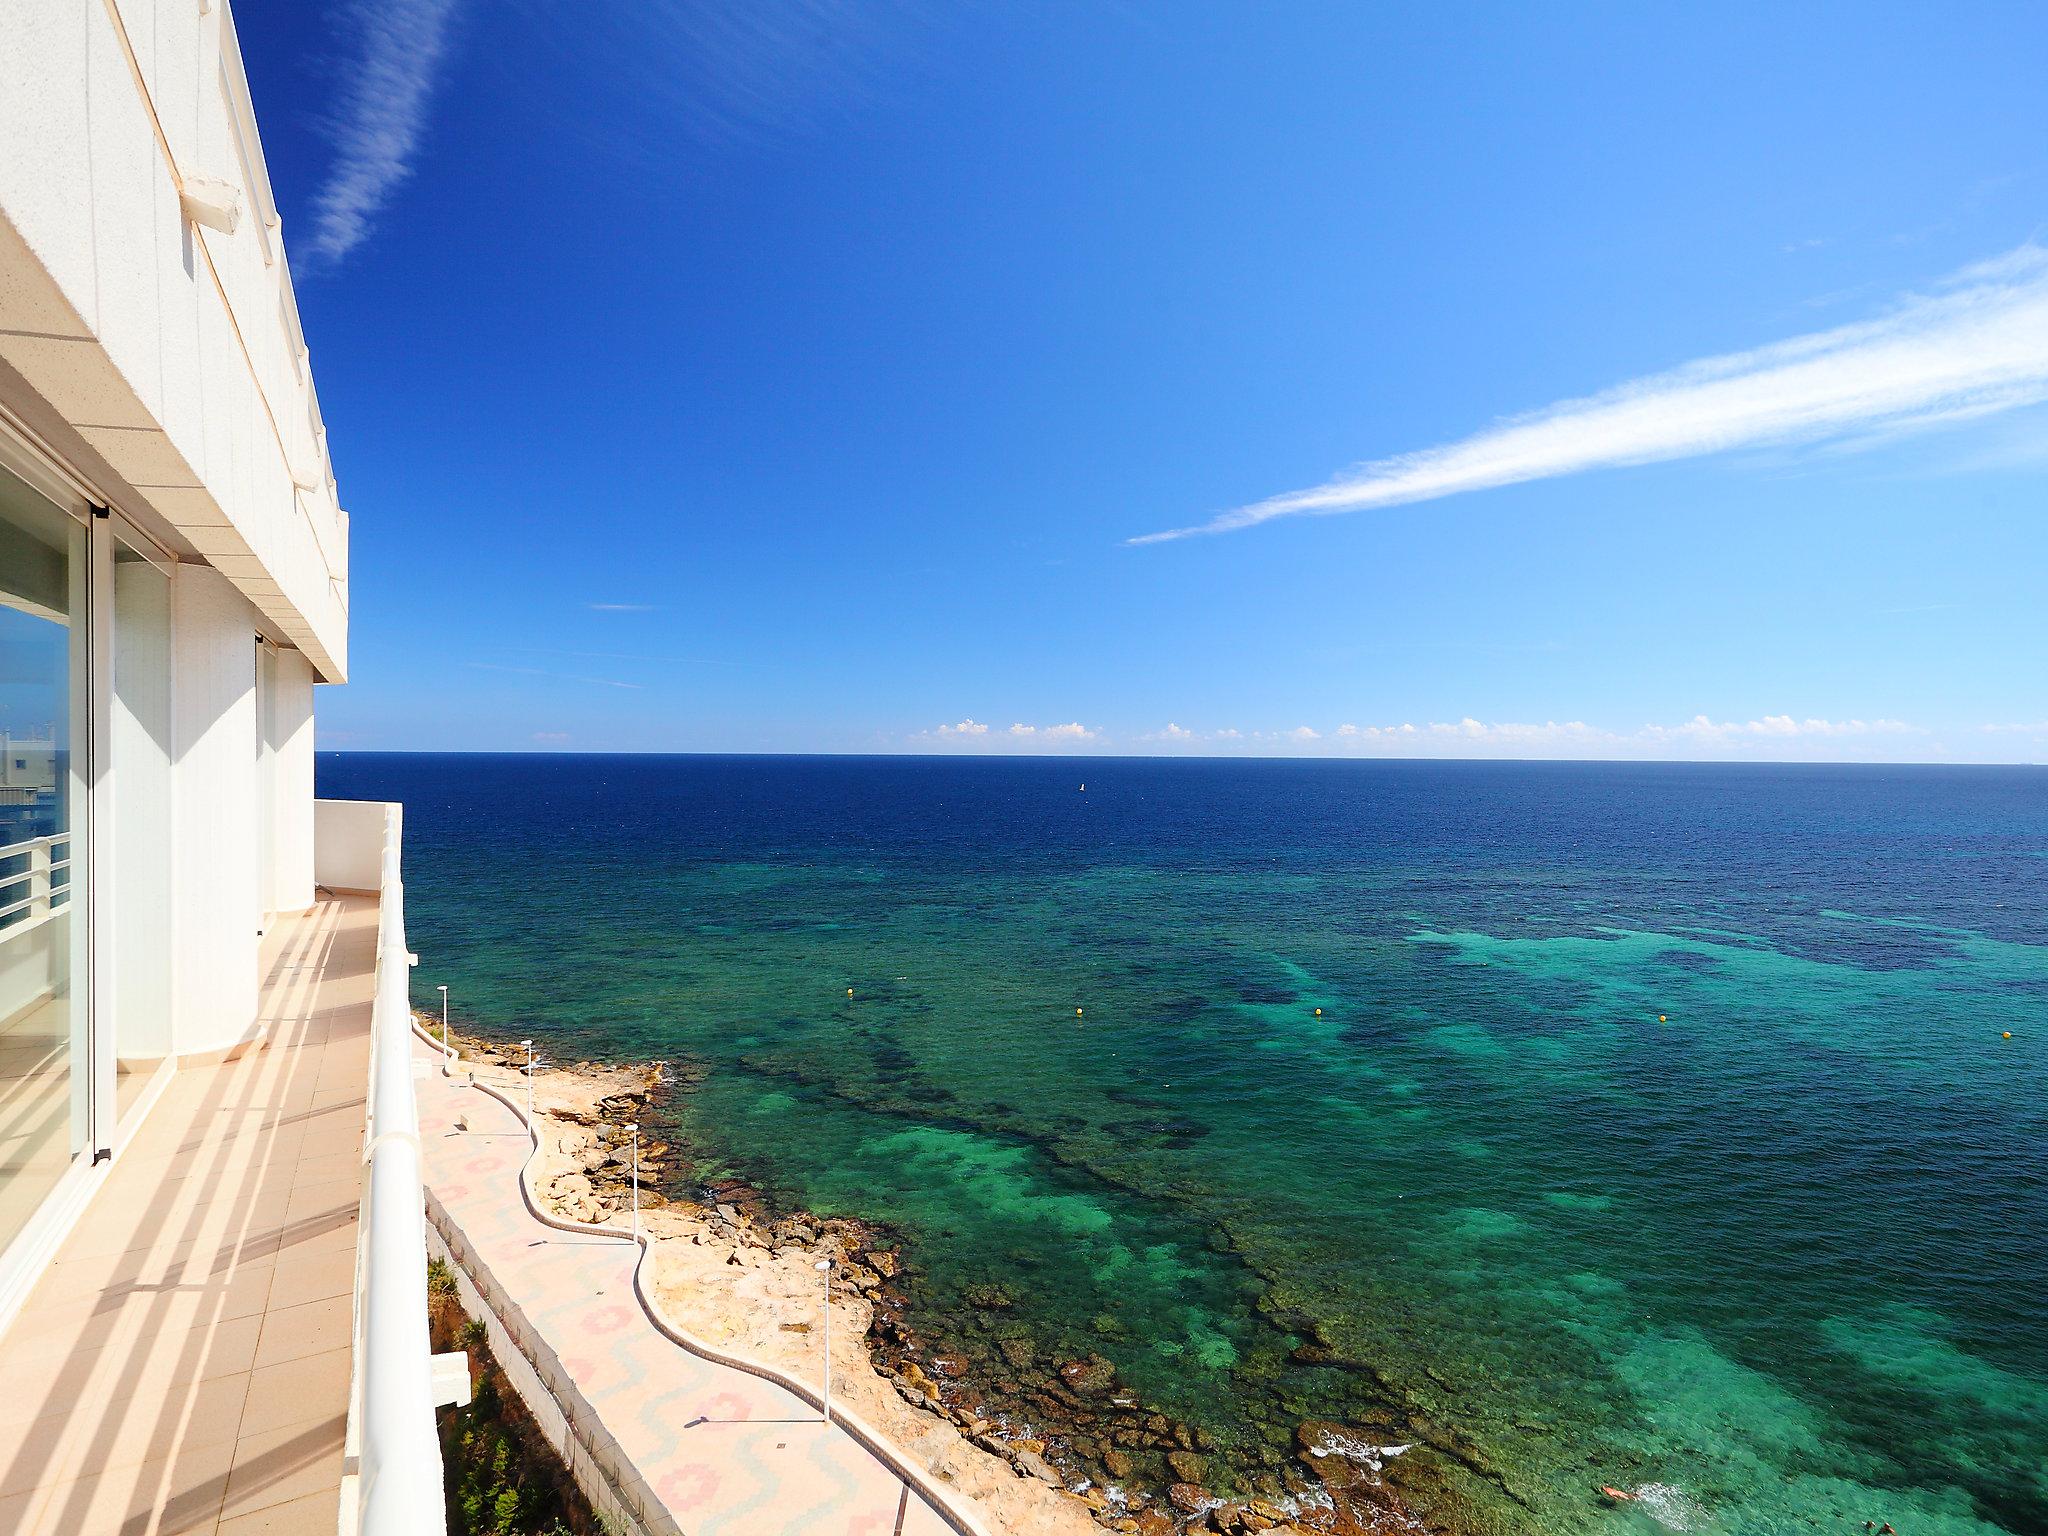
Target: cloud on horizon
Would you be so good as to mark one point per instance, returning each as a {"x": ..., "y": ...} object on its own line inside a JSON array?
[
  {"x": 1764, "y": 738},
  {"x": 383, "y": 111},
  {"x": 967, "y": 729},
  {"x": 1975, "y": 346}
]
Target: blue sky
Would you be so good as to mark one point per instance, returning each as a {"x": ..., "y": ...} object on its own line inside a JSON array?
[{"x": 798, "y": 376}]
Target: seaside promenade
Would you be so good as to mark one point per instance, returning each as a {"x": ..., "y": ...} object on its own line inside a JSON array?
[{"x": 700, "y": 1446}]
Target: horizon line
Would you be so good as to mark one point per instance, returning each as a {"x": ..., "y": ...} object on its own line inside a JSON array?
[{"x": 1195, "y": 757}]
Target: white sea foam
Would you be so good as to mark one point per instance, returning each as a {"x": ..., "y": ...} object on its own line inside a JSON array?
[
  {"x": 1673, "y": 1508},
  {"x": 1362, "y": 1453}
]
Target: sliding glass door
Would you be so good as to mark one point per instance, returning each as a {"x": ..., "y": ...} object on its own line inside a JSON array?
[{"x": 45, "y": 706}]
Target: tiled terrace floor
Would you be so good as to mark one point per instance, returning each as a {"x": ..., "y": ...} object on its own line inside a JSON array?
[{"x": 184, "y": 1365}]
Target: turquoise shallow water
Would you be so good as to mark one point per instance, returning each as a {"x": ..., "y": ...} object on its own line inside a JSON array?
[{"x": 1777, "y": 1259}]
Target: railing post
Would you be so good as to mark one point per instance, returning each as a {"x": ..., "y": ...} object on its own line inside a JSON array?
[{"x": 39, "y": 889}]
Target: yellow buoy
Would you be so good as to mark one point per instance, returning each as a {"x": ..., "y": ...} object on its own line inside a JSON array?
[
  {"x": 849, "y": 991},
  {"x": 1077, "y": 1013},
  {"x": 2007, "y": 1035},
  {"x": 1660, "y": 1018},
  {"x": 1319, "y": 1013}
]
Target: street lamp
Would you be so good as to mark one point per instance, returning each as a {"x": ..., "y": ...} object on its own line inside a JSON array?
[
  {"x": 824, "y": 1267},
  {"x": 445, "y": 1052},
  {"x": 634, "y": 1127},
  {"x": 529, "y": 1081}
]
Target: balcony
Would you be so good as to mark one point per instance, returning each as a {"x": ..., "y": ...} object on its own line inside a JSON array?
[{"x": 197, "y": 1358}]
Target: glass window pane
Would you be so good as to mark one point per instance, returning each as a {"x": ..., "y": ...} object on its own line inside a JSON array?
[{"x": 44, "y": 651}]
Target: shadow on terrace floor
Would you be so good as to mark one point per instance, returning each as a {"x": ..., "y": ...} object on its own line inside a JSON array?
[{"x": 184, "y": 1364}]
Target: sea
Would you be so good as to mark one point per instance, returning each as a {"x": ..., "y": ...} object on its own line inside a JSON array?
[{"x": 1681, "y": 1129}]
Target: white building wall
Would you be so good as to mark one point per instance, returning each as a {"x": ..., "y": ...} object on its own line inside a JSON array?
[
  {"x": 291, "y": 755},
  {"x": 153, "y": 364},
  {"x": 216, "y": 893},
  {"x": 169, "y": 353}
]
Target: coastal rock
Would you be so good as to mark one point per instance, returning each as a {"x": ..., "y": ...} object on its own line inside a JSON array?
[
  {"x": 1031, "y": 1464},
  {"x": 1092, "y": 1376},
  {"x": 1188, "y": 1498},
  {"x": 1262, "y": 1515},
  {"x": 1187, "y": 1466},
  {"x": 1117, "y": 1463}
]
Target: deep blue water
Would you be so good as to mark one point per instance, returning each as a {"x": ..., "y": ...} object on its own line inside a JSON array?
[{"x": 1658, "y": 1127}]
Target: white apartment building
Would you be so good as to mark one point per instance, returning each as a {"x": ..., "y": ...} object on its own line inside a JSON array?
[
  {"x": 173, "y": 581},
  {"x": 212, "y": 1245}
]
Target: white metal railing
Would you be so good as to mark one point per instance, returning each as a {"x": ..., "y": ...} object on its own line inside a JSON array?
[
  {"x": 46, "y": 893},
  {"x": 398, "y": 1487}
]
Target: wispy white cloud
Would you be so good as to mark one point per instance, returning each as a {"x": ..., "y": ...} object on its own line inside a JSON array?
[
  {"x": 551, "y": 738},
  {"x": 382, "y": 112},
  {"x": 1976, "y": 345},
  {"x": 688, "y": 661},
  {"x": 621, "y": 607},
  {"x": 964, "y": 728},
  {"x": 564, "y": 677},
  {"x": 758, "y": 71}
]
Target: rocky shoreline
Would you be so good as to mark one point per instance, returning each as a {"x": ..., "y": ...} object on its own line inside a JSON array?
[{"x": 1044, "y": 1446}]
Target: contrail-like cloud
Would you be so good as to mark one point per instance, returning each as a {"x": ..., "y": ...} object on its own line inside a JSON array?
[
  {"x": 382, "y": 113},
  {"x": 1976, "y": 345}
]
